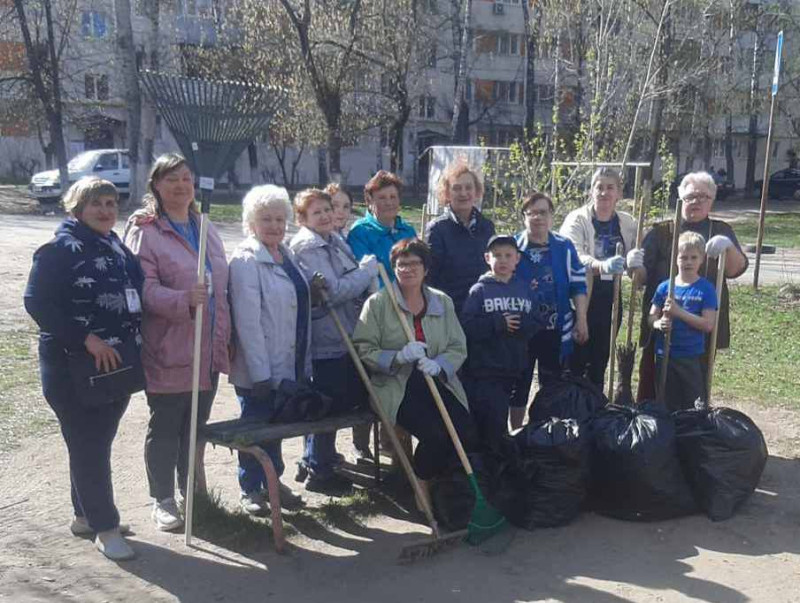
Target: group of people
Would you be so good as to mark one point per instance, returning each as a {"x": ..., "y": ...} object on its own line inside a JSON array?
[{"x": 485, "y": 310}]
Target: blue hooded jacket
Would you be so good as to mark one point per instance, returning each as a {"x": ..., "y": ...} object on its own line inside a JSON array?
[
  {"x": 493, "y": 352},
  {"x": 368, "y": 236}
]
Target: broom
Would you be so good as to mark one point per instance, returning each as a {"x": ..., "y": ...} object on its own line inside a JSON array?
[
  {"x": 485, "y": 521},
  {"x": 437, "y": 542},
  {"x": 673, "y": 268}
]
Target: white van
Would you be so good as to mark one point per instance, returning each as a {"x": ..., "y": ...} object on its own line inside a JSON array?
[{"x": 109, "y": 164}]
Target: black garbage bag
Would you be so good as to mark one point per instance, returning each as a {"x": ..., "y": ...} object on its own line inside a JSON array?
[
  {"x": 636, "y": 474},
  {"x": 452, "y": 496},
  {"x": 296, "y": 401},
  {"x": 568, "y": 397},
  {"x": 554, "y": 463},
  {"x": 722, "y": 453},
  {"x": 507, "y": 485}
]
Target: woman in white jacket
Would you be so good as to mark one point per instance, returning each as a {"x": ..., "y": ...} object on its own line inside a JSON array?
[
  {"x": 320, "y": 250},
  {"x": 271, "y": 311},
  {"x": 595, "y": 229}
]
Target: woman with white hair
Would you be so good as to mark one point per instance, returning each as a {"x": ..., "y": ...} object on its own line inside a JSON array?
[{"x": 271, "y": 310}]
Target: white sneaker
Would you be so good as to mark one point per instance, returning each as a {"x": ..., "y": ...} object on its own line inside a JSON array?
[
  {"x": 165, "y": 515},
  {"x": 253, "y": 503},
  {"x": 80, "y": 527},
  {"x": 113, "y": 545}
]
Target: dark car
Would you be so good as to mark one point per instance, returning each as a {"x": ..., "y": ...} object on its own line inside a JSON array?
[{"x": 783, "y": 184}]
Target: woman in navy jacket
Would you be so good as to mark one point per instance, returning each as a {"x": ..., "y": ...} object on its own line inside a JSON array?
[
  {"x": 459, "y": 236},
  {"x": 84, "y": 292}
]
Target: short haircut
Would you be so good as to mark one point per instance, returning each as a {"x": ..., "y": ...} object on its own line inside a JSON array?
[
  {"x": 86, "y": 190},
  {"x": 696, "y": 178},
  {"x": 334, "y": 188},
  {"x": 260, "y": 198},
  {"x": 304, "y": 199},
  {"x": 532, "y": 198},
  {"x": 408, "y": 247},
  {"x": 381, "y": 180},
  {"x": 692, "y": 241},
  {"x": 453, "y": 171},
  {"x": 503, "y": 243},
  {"x": 607, "y": 172}
]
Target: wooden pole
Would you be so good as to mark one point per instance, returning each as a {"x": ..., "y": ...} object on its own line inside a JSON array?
[
  {"x": 673, "y": 268},
  {"x": 614, "y": 328},
  {"x": 712, "y": 342},
  {"x": 644, "y": 202},
  {"x": 764, "y": 194}
]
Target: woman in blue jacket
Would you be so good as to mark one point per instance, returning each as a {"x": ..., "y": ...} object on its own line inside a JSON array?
[
  {"x": 459, "y": 236},
  {"x": 556, "y": 281},
  {"x": 84, "y": 292}
]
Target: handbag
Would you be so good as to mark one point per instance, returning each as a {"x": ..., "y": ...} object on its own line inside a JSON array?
[{"x": 97, "y": 388}]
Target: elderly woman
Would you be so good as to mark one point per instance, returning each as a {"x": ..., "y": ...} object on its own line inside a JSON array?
[
  {"x": 382, "y": 227},
  {"x": 697, "y": 191},
  {"x": 397, "y": 365},
  {"x": 459, "y": 236},
  {"x": 165, "y": 236},
  {"x": 557, "y": 281},
  {"x": 342, "y": 208},
  {"x": 595, "y": 229},
  {"x": 320, "y": 251},
  {"x": 271, "y": 309},
  {"x": 84, "y": 293}
]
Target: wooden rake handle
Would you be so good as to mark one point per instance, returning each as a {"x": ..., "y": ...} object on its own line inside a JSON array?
[
  {"x": 614, "y": 328},
  {"x": 712, "y": 342},
  {"x": 673, "y": 268},
  {"x": 384, "y": 418},
  {"x": 437, "y": 398}
]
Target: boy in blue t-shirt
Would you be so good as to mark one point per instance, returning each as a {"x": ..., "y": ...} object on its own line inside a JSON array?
[
  {"x": 499, "y": 320},
  {"x": 690, "y": 317}
]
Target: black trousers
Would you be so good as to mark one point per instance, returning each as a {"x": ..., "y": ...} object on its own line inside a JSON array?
[
  {"x": 686, "y": 381},
  {"x": 544, "y": 349},
  {"x": 435, "y": 453},
  {"x": 591, "y": 358},
  {"x": 88, "y": 433}
]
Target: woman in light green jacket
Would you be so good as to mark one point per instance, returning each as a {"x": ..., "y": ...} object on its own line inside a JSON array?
[{"x": 397, "y": 366}]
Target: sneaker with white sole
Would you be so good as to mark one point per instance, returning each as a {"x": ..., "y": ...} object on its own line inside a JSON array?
[
  {"x": 165, "y": 515},
  {"x": 253, "y": 503},
  {"x": 80, "y": 527},
  {"x": 113, "y": 545}
]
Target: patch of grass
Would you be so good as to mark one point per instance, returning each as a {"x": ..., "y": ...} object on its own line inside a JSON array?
[
  {"x": 782, "y": 230},
  {"x": 23, "y": 412},
  {"x": 762, "y": 362},
  {"x": 225, "y": 212}
]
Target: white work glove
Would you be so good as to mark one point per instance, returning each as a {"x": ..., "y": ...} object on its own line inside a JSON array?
[
  {"x": 635, "y": 258},
  {"x": 411, "y": 352},
  {"x": 429, "y": 366},
  {"x": 369, "y": 263},
  {"x": 613, "y": 265},
  {"x": 717, "y": 245}
]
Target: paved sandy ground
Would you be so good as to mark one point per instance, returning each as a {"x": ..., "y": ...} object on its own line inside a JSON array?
[{"x": 752, "y": 557}]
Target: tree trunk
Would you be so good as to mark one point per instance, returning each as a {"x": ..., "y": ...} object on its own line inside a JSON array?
[
  {"x": 530, "y": 71},
  {"x": 460, "y": 124},
  {"x": 252, "y": 158},
  {"x": 148, "y": 146},
  {"x": 132, "y": 94},
  {"x": 397, "y": 130},
  {"x": 729, "y": 163},
  {"x": 752, "y": 126}
]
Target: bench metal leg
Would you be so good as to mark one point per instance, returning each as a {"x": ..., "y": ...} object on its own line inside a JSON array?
[
  {"x": 273, "y": 492},
  {"x": 376, "y": 441}
]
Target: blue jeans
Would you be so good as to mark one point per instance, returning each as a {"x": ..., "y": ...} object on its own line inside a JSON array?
[
  {"x": 88, "y": 433},
  {"x": 337, "y": 378},
  {"x": 251, "y": 473}
]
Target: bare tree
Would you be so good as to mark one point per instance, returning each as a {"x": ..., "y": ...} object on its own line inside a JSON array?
[{"x": 132, "y": 94}]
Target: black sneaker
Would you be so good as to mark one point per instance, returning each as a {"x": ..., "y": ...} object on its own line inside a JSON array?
[{"x": 332, "y": 485}]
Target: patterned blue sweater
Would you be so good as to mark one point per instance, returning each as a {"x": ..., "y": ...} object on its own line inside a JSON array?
[{"x": 77, "y": 286}]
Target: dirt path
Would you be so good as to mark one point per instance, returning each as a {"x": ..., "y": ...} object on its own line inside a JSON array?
[{"x": 753, "y": 557}]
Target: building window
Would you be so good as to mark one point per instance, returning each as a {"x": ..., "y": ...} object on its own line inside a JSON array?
[
  {"x": 468, "y": 91},
  {"x": 195, "y": 8},
  {"x": 94, "y": 24},
  {"x": 507, "y": 92},
  {"x": 508, "y": 44},
  {"x": 544, "y": 93},
  {"x": 96, "y": 86},
  {"x": 427, "y": 107}
]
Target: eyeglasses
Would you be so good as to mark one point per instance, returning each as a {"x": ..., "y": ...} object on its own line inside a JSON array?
[
  {"x": 536, "y": 213},
  {"x": 696, "y": 198},
  {"x": 408, "y": 265}
]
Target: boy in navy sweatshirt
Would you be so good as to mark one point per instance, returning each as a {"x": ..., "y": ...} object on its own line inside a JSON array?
[{"x": 498, "y": 319}]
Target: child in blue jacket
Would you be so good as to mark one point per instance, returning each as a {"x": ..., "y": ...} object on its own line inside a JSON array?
[{"x": 499, "y": 320}]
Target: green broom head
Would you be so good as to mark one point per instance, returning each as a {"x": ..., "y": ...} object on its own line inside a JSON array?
[{"x": 486, "y": 521}]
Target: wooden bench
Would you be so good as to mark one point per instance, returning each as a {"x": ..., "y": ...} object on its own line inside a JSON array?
[{"x": 245, "y": 435}]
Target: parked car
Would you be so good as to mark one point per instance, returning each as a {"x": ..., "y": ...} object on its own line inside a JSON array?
[
  {"x": 783, "y": 184},
  {"x": 109, "y": 164}
]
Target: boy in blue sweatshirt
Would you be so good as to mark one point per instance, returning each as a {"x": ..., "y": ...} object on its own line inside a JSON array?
[{"x": 499, "y": 320}]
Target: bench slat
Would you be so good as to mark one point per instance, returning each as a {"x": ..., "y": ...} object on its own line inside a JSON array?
[{"x": 246, "y": 432}]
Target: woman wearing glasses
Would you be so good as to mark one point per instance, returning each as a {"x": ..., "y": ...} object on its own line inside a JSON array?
[
  {"x": 697, "y": 190},
  {"x": 556, "y": 281}
]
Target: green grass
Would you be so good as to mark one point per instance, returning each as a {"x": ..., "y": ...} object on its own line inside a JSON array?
[
  {"x": 762, "y": 363},
  {"x": 782, "y": 230},
  {"x": 23, "y": 411}
]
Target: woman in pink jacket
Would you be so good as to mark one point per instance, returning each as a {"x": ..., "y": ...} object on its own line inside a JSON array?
[{"x": 165, "y": 237}]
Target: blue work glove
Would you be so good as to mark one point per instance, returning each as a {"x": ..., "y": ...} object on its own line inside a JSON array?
[
  {"x": 411, "y": 352},
  {"x": 429, "y": 366},
  {"x": 613, "y": 265}
]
